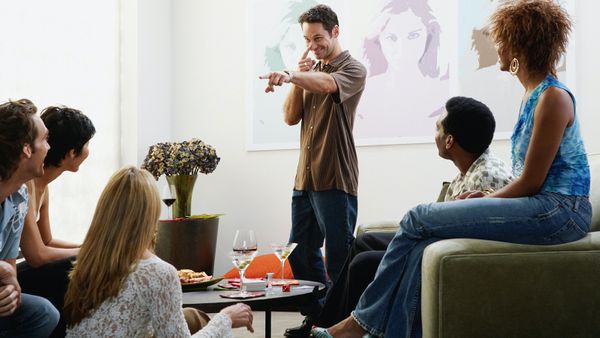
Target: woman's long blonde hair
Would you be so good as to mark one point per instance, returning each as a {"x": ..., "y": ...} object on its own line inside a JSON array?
[{"x": 122, "y": 228}]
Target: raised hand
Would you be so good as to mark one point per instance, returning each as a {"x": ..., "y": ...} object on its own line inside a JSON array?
[
  {"x": 278, "y": 78},
  {"x": 306, "y": 63},
  {"x": 275, "y": 79}
]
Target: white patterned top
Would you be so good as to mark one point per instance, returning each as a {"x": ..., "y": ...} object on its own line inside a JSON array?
[
  {"x": 148, "y": 305},
  {"x": 487, "y": 172}
]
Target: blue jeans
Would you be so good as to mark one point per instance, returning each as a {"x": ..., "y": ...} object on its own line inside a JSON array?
[
  {"x": 35, "y": 317},
  {"x": 391, "y": 304},
  {"x": 316, "y": 216}
]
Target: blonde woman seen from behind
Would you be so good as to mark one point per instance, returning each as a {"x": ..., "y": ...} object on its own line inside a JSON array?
[{"x": 118, "y": 287}]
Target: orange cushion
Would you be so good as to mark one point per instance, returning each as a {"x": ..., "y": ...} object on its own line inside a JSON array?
[{"x": 261, "y": 265}]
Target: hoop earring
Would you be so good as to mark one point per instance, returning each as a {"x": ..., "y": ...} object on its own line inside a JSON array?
[{"x": 514, "y": 66}]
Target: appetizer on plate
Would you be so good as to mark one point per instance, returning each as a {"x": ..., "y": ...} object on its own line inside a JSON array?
[{"x": 187, "y": 276}]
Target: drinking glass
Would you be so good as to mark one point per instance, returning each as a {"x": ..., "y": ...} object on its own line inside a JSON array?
[
  {"x": 168, "y": 199},
  {"x": 282, "y": 251},
  {"x": 244, "y": 251},
  {"x": 241, "y": 260}
]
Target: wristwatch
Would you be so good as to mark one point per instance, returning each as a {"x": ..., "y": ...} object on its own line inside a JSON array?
[{"x": 290, "y": 74}]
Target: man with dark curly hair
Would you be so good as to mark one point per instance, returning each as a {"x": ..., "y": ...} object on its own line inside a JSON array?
[{"x": 23, "y": 147}]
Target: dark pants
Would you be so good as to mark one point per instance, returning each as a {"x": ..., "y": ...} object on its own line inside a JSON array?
[
  {"x": 357, "y": 273},
  {"x": 319, "y": 216},
  {"x": 49, "y": 281},
  {"x": 34, "y": 318}
]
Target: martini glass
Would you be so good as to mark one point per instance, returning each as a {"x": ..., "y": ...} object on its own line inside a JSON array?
[
  {"x": 282, "y": 251},
  {"x": 241, "y": 260}
]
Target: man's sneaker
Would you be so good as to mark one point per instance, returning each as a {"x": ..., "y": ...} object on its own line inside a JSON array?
[{"x": 301, "y": 331}]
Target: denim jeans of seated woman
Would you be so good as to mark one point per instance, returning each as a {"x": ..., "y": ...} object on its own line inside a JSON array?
[{"x": 391, "y": 304}]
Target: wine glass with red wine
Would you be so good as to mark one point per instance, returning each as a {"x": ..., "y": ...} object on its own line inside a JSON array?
[{"x": 168, "y": 199}]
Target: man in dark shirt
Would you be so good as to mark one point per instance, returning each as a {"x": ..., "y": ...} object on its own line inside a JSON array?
[{"x": 324, "y": 97}]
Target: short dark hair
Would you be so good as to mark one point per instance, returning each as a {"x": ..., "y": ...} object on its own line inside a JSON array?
[
  {"x": 470, "y": 122},
  {"x": 68, "y": 129},
  {"x": 17, "y": 128},
  {"x": 320, "y": 13}
]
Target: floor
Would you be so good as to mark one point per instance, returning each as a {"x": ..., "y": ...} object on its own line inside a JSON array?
[{"x": 279, "y": 322}]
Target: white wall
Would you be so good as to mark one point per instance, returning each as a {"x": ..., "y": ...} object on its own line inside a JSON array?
[
  {"x": 254, "y": 188},
  {"x": 588, "y": 72},
  {"x": 67, "y": 52},
  {"x": 172, "y": 70},
  {"x": 154, "y": 74},
  {"x": 145, "y": 76}
]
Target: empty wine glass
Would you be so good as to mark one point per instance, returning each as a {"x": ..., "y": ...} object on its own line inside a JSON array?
[
  {"x": 244, "y": 251},
  {"x": 282, "y": 251},
  {"x": 168, "y": 199}
]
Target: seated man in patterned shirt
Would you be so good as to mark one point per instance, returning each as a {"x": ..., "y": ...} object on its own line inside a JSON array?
[{"x": 463, "y": 134}]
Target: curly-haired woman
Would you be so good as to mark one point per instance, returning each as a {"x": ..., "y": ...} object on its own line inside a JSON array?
[{"x": 546, "y": 204}]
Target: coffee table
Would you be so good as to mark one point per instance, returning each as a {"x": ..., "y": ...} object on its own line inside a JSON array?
[{"x": 209, "y": 300}]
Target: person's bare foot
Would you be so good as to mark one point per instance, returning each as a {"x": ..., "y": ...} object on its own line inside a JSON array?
[{"x": 347, "y": 328}]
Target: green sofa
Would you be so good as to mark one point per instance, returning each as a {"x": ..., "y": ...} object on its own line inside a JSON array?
[{"x": 478, "y": 288}]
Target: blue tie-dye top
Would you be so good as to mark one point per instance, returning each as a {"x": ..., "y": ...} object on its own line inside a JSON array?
[{"x": 569, "y": 173}]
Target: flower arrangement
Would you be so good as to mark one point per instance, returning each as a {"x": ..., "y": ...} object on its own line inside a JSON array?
[
  {"x": 181, "y": 158},
  {"x": 181, "y": 162}
]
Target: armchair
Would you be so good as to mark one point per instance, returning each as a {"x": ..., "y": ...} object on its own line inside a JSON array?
[{"x": 480, "y": 288}]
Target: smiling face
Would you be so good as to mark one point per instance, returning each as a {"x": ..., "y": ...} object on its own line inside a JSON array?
[
  {"x": 319, "y": 41},
  {"x": 403, "y": 40},
  {"x": 36, "y": 153}
]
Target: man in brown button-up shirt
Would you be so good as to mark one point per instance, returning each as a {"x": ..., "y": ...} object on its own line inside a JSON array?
[{"x": 324, "y": 97}]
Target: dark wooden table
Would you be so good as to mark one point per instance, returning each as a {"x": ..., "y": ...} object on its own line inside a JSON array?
[{"x": 209, "y": 300}]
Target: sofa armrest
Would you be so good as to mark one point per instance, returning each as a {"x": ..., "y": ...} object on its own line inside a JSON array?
[
  {"x": 392, "y": 225},
  {"x": 385, "y": 226},
  {"x": 479, "y": 288}
]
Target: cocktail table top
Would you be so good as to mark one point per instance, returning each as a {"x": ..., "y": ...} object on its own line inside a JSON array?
[{"x": 209, "y": 300}]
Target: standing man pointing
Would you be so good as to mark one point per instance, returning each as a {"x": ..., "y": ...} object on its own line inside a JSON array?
[{"x": 324, "y": 97}]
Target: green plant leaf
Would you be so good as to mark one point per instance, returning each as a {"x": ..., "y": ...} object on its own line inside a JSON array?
[{"x": 207, "y": 216}]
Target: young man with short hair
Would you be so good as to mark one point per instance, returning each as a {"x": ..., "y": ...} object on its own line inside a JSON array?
[
  {"x": 464, "y": 132},
  {"x": 323, "y": 97},
  {"x": 48, "y": 260},
  {"x": 23, "y": 147}
]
